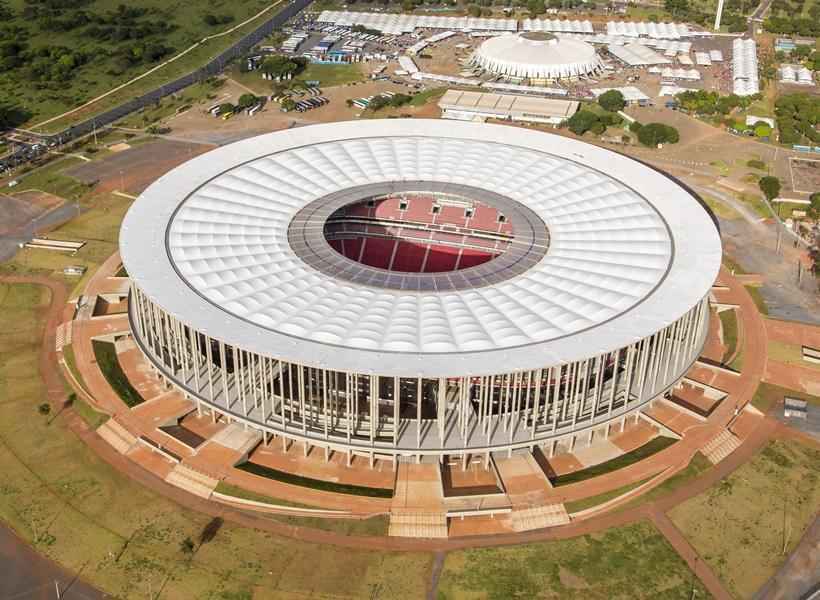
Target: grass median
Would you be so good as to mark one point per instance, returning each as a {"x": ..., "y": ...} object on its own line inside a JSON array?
[
  {"x": 106, "y": 355},
  {"x": 316, "y": 484}
]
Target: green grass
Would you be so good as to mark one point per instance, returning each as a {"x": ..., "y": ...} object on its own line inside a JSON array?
[
  {"x": 71, "y": 363},
  {"x": 109, "y": 364},
  {"x": 76, "y": 509},
  {"x": 732, "y": 265},
  {"x": 426, "y": 96},
  {"x": 745, "y": 525},
  {"x": 239, "y": 492},
  {"x": 47, "y": 99},
  {"x": 98, "y": 226},
  {"x": 699, "y": 464},
  {"x": 316, "y": 484},
  {"x": 52, "y": 179},
  {"x": 791, "y": 354},
  {"x": 624, "y": 460},
  {"x": 92, "y": 417},
  {"x": 373, "y": 526},
  {"x": 769, "y": 395},
  {"x": 757, "y": 298},
  {"x": 332, "y": 75},
  {"x": 719, "y": 208},
  {"x": 631, "y": 562},
  {"x": 729, "y": 326},
  {"x": 585, "y": 503},
  {"x": 199, "y": 93}
]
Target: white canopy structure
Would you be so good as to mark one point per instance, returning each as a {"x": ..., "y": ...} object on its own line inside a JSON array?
[
  {"x": 671, "y": 31},
  {"x": 744, "y": 67},
  {"x": 637, "y": 55},
  {"x": 557, "y": 25},
  {"x": 537, "y": 55},
  {"x": 399, "y": 23}
]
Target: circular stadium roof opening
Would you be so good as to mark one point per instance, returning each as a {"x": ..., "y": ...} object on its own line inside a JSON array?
[{"x": 419, "y": 232}]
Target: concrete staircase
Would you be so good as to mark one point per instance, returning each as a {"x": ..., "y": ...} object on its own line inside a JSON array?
[
  {"x": 418, "y": 524},
  {"x": 118, "y": 436},
  {"x": 192, "y": 481},
  {"x": 539, "y": 517},
  {"x": 720, "y": 446}
]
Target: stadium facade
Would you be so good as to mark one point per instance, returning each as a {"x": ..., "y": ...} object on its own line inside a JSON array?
[{"x": 417, "y": 287}]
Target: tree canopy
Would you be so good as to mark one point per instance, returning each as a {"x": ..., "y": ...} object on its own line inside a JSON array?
[
  {"x": 280, "y": 65},
  {"x": 612, "y": 100},
  {"x": 653, "y": 134},
  {"x": 770, "y": 186},
  {"x": 797, "y": 116}
]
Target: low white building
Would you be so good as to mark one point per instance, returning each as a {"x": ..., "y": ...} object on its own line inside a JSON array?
[{"x": 479, "y": 106}]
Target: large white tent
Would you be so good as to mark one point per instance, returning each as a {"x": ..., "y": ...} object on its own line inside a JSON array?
[{"x": 536, "y": 55}]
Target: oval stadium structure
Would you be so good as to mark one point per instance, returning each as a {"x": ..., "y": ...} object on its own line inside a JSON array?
[{"x": 409, "y": 287}]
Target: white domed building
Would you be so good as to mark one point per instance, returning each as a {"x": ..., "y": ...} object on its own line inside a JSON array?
[{"x": 536, "y": 55}]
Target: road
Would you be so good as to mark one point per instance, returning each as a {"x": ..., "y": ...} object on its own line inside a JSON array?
[{"x": 28, "y": 576}]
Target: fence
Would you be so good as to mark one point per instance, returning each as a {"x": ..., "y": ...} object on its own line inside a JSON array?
[{"x": 214, "y": 67}]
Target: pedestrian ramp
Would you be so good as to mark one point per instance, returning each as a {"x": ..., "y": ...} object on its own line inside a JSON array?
[
  {"x": 192, "y": 481},
  {"x": 539, "y": 517},
  {"x": 418, "y": 524},
  {"x": 118, "y": 436},
  {"x": 720, "y": 446}
]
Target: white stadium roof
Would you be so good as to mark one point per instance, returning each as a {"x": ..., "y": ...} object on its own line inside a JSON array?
[
  {"x": 536, "y": 55},
  {"x": 629, "y": 253}
]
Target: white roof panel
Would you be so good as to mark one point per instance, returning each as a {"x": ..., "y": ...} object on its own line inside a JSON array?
[{"x": 630, "y": 251}]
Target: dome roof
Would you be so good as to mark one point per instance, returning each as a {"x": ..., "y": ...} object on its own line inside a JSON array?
[{"x": 536, "y": 55}]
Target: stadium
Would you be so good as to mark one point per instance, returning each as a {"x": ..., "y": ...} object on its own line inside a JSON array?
[{"x": 411, "y": 288}]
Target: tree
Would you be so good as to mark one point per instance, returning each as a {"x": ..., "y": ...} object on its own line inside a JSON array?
[
  {"x": 281, "y": 66},
  {"x": 612, "y": 101},
  {"x": 813, "y": 211},
  {"x": 653, "y": 134},
  {"x": 12, "y": 115},
  {"x": 187, "y": 546},
  {"x": 247, "y": 100},
  {"x": 582, "y": 121},
  {"x": 770, "y": 186},
  {"x": 474, "y": 10}
]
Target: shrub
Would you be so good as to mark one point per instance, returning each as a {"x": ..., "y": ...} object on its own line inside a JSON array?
[
  {"x": 44, "y": 408},
  {"x": 756, "y": 164}
]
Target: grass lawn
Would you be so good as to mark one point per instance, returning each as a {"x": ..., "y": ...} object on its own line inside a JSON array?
[
  {"x": 200, "y": 93},
  {"x": 585, "y": 503},
  {"x": 791, "y": 354},
  {"x": 732, "y": 265},
  {"x": 768, "y": 395},
  {"x": 332, "y": 75},
  {"x": 719, "y": 208},
  {"x": 109, "y": 364},
  {"x": 317, "y": 484},
  {"x": 696, "y": 466},
  {"x": 629, "y": 562},
  {"x": 51, "y": 178},
  {"x": 729, "y": 326},
  {"x": 624, "y": 460},
  {"x": 45, "y": 99},
  {"x": 91, "y": 416},
  {"x": 239, "y": 492},
  {"x": 746, "y": 525},
  {"x": 426, "y": 96},
  {"x": 98, "y": 225},
  {"x": 757, "y": 298},
  {"x": 76, "y": 509},
  {"x": 71, "y": 363}
]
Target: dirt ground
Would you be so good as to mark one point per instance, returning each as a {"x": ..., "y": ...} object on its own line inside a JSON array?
[
  {"x": 23, "y": 215},
  {"x": 197, "y": 125},
  {"x": 133, "y": 170}
]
